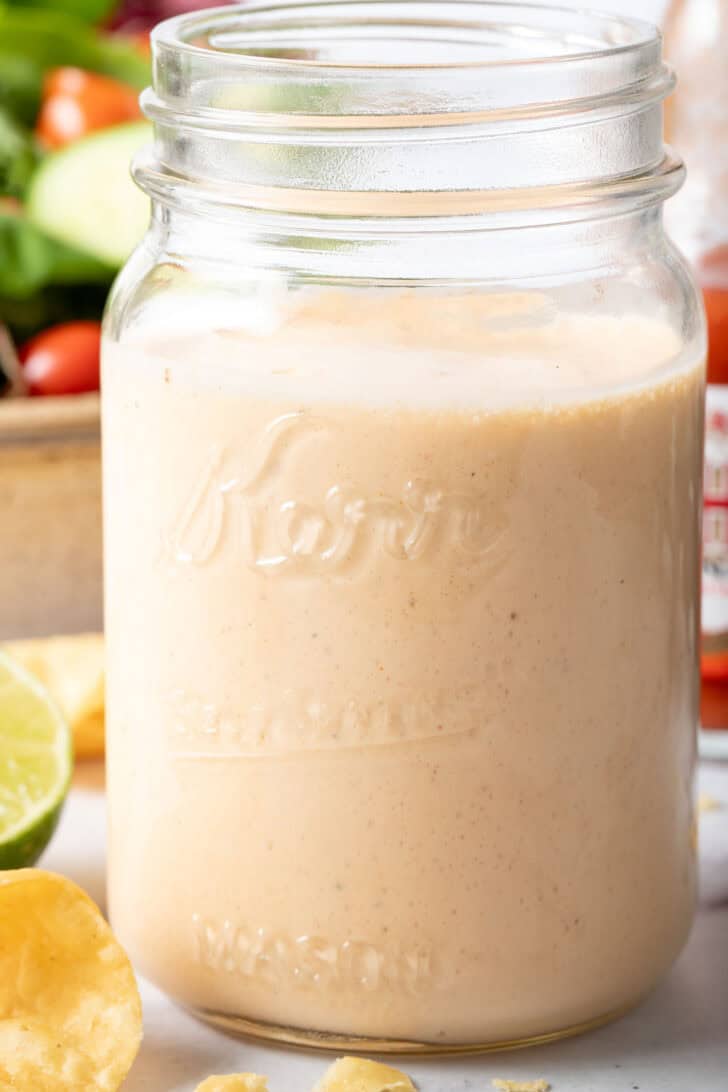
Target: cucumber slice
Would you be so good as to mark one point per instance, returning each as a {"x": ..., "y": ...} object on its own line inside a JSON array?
[{"x": 84, "y": 195}]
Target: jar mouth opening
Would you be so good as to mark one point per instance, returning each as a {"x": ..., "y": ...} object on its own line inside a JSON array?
[
  {"x": 385, "y": 58},
  {"x": 362, "y": 35}
]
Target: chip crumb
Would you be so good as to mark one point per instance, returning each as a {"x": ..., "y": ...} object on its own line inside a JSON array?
[
  {"x": 522, "y": 1086},
  {"x": 234, "y": 1082},
  {"x": 706, "y": 802},
  {"x": 362, "y": 1075}
]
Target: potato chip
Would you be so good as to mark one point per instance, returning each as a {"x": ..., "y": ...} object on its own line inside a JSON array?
[
  {"x": 72, "y": 670},
  {"x": 234, "y": 1082},
  {"x": 70, "y": 1014},
  {"x": 360, "y": 1075},
  {"x": 33, "y": 1057}
]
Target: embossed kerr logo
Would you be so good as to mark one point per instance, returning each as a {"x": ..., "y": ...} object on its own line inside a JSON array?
[{"x": 241, "y": 504}]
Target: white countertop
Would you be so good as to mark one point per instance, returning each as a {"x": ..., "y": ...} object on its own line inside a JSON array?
[{"x": 676, "y": 1042}]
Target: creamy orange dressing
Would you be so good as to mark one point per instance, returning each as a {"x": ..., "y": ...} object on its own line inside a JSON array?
[{"x": 401, "y": 603}]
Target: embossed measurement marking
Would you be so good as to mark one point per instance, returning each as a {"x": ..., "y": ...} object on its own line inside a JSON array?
[{"x": 302, "y": 721}]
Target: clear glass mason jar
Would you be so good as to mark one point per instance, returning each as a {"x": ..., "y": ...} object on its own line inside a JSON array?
[{"x": 402, "y": 424}]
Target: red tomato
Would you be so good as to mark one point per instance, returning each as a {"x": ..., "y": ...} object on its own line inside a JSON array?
[
  {"x": 76, "y": 102},
  {"x": 64, "y": 359}
]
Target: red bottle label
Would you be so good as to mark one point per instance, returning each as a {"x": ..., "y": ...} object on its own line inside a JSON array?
[{"x": 715, "y": 536}]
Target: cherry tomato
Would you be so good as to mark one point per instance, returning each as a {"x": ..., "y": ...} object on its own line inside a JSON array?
[
  {"x": 76, "y": 102},
  {"x": 63, "y": 360}
]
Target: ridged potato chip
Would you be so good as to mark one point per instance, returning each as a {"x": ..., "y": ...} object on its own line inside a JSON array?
[
  {"x": 31, "y": 1057},
  {"x": 70, "y": 1014},
  {"x": 72, "y": 670},
  {"x": 360, "y": 1075},
  {"x": 234, "y": 1082}
]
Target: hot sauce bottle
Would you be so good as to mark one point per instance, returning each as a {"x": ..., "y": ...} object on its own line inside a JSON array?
[
  {"x": 713, "y": 270},
  {"x": 696, "y": 44}
]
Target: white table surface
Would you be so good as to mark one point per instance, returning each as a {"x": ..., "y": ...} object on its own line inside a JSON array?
[{"x": 676, "y": 1042}]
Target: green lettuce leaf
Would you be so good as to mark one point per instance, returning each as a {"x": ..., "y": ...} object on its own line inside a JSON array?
[
  {"x": 30, "y": 261},
  {"x": 91, "y": 11},
  {"x": 21, "y": 80},
  {"x": 19, "y": 157},
  {"x": 47, "y": 38}
]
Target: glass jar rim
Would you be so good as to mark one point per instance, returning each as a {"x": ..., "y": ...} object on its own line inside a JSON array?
[
  {"x": 279, "y": 97},
  {"x": 229, "y": 21},
  {"x": 571, "y": 54}
]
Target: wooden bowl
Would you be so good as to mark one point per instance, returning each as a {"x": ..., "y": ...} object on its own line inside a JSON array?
[{"x": 50, "y": 516}]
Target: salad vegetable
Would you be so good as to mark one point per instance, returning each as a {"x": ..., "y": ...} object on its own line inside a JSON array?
[
  {"x": 62, "y": 77},
  {"x": 63, "y": 360},
  {"x": 70, "y": 77},
  {"x": 76, "y": 102},
  {"x": 83, "y": 195}
]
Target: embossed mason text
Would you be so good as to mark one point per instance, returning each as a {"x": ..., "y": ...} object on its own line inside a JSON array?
[{"x": 309, "y": 962}]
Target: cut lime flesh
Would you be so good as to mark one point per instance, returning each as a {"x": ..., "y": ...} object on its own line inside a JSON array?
[{"x": 35, "y": 766}]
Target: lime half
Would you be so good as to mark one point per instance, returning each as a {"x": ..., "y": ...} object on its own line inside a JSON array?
[{"x": 35, "y": 766}]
